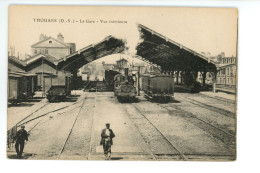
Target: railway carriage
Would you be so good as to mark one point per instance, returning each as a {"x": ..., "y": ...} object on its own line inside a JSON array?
[
  {"x": 21, "y": 86},
  {"x": 158, "y": 86}
]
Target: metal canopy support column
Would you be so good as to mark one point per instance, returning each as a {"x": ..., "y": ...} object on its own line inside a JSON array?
[
  {"x": 204, "y": 74},
  {"x": 177, "y": 78},
  {"x": 214, "y": 81},
  {"x": 181, "y": 77}
]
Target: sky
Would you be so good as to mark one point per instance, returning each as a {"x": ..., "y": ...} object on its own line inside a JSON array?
[{"x": 211, "y": 30}]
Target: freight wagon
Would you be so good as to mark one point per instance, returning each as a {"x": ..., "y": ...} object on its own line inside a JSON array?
[
  {"x": 21, "y": 86},
  {"x": 59, "y": 86},
  {"x": 158, "y": 86}
]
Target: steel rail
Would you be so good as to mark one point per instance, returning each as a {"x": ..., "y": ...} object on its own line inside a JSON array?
[
  {"x": 49, "y": 112},
  {"x": 92, "y": 132},
  {"x": 180, "y": 153},
  {"x": 212, "y": 108},
  {"x": 211, "y": 126},
  {"x": 63, "y": 147},
  {"x": 209, "y": 123},
  {"x": 31, "y": 114},
  {"x": 154, "y": 157}
]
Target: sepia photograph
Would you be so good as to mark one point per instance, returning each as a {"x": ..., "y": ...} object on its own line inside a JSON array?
[{"x": 122, "y": 83}]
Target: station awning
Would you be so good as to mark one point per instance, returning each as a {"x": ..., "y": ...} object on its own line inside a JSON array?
[
  {"x": 110, "y": 45},
  {"x": 170, "y": 55},
  {"x": 20, "y": 74}
]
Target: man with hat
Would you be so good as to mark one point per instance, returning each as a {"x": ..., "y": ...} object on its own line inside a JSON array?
[
  {"x": 21, "y": 136},
  {"x": 107, "y": 136}
]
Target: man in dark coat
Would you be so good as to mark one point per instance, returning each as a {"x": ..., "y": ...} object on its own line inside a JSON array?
[
  {"x": 107, "y": 136},
  {"x": 21, "y": 136}
]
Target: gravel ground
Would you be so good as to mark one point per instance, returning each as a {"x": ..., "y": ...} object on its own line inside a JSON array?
[
  {"x": 78, "y": 144},
  {"x": 225, "y": 105},
  {"x": 186, "y": 136},
  {"x": 157, "y": 144},
  {"x": 15, "y": 113},
  {"x": 127, "y": 141},
  {"x": 217, "y": 119},
  {"x": 47, "y": 138},
  {"x": 138, "y": 128}
]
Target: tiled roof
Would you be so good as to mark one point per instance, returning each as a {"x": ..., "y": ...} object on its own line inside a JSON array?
[{"x": 16, "y": 60}]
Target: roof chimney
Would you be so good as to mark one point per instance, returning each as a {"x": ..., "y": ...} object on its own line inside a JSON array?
[
  {"x": 222, "y": 54},
  {"x": 60, "y": 37},
  {"x": 42, "y": 37}
]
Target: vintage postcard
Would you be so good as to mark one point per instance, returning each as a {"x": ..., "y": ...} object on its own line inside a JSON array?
[{"x": 122, "y": 83}]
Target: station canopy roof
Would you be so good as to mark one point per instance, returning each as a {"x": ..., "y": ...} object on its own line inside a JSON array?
[
  {"x": 154, "y": 48},
  {"x": 170, "y": 55},
  {"x": 110, "y": 45}
]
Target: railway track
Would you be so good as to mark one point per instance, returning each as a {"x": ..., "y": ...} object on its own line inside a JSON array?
[
  {"x": 63, "y": 147},
  {"x": 220, "y": 99},
  {"x": 154, "y": 155},
  {"x": 20, "y": 122},
  {"x": 212, "y": 108},
  {"x": 225, "y": 137},
  {"x": 151, "y": 153},
  {"x": 92, "y": 134},
  {"x": 27, "y": 120}
]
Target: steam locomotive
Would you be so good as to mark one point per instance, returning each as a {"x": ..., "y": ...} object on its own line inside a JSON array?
[{"x": 124, "y": 88}]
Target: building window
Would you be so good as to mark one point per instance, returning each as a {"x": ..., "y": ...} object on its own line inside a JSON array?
[
  {"x": 50, "y": 42},
  {"x": 227, "y": 80},
  {"x": 228, "y": 71},
  {"x": 46, "y": 51},
  {"x": 35, "y": 51}
]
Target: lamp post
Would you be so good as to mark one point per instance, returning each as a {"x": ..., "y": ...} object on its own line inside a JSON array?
[
  {"x": 56, "y": 65},
  {"x": 138, "y": 77},
  {"x": 42, "y": 78}
]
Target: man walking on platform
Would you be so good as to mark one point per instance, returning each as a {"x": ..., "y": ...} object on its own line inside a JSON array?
[
  {"x": 21, "y": 136},
  {"x": 107, "y": 136}
]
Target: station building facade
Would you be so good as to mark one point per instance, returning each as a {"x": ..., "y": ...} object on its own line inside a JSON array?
[
  {"x": 226, "y": 73},
  {"x": 53, "y": 47}
]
